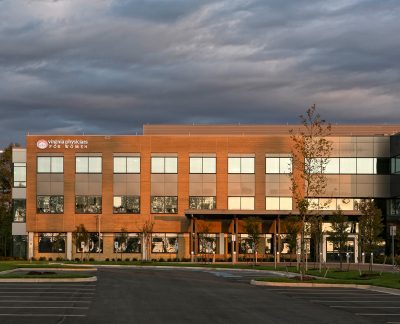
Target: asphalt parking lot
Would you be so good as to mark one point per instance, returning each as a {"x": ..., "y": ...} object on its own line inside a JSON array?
[
  {"x": 44, "y": 302},
  {"x": 378, "y": 306},
  {"x": 144, "y": 295}
]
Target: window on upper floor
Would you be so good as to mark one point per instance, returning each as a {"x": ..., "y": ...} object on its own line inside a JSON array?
[
  {"x": 88, "y": 204},
  {"x": 88, "y": 164},
  {"x": 50, "y": 164},
  {"x": 126, "y": 205},
  {"x": 240, "y": 164},
  {"x": 19, "y": 175},
  {"x": 164, "y": 164},
  {"x": 202, "y": 165},
  {"x": 278, "y": 165},
  {"x": 50, "y": 204},
  {"x": 126, "y": 164},
  {"x": 164, "y": 205},
  {"x": 202, "y": 203},
  {"x": 241, "y": 203}
]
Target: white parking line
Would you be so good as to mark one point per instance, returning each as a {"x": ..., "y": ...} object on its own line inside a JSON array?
[
  {"x": 376, "y": 314},
  {"x": 30, "y": 296},
  {"x": 46, "y": 292},
  {"x": 334, "y": 293},
  {"x": 43, "y": 315},
  {"x": 50, "y": 288},
  {"x": 374, "y": 307},
  {"x": 354, "y": 301},
  {"x": 45, "y": 301},
  {"x": 43, "y": 307}
]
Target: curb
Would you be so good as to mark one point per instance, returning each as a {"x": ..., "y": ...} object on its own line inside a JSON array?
[
  {"x": 45, "y": 269},
  {"x": 55, "y": 280},
  {"x": 391, "y": 291}
]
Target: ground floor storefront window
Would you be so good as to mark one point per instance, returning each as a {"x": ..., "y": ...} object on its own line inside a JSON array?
[
  {"x": 127, "y": 243},
  {"x": 164, "y": 243},
  {"x": 52, "y": 242}
]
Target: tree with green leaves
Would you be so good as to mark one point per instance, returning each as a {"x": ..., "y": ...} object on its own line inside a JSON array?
[
  {"x": 339, "y": 233},
  {"x": 370, "y": 227},
  {"x": 292, "y": 230},
  {"x": 6, "y": 184},
  {"x": 310, "y": 153},
  {"x": 252, "y": 227},
  {"x": 81, "y": 238}
]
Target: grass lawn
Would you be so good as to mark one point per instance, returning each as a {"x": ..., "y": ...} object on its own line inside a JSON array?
[
  {"x": 386, "y": 279},
  {"x": 9, "y": 265}
]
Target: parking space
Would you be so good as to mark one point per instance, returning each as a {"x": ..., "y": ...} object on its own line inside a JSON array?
[
  {"x": 377, "y": 306},
  {"x": 44, "y": 302}
]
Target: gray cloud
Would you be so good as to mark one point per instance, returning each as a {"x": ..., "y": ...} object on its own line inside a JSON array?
[{"x": 109, "y": 66}]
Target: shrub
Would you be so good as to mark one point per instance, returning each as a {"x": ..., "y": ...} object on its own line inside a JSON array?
[
  {"x": 42, "y": 258},
  {"x": 91, "y": 259},
  {"x": 33, "y": 259},
  {"x": 77, "y": 259},
  {"x": 50, "y": 259},
  {"x": 134, "y": 259},
  {"x": 127, "y": 260},
  {"x": 59, "y": 259},
  {"x": 107, "y": 260}
]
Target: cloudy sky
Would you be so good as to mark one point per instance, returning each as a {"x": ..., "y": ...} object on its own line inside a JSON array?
[{"x": 104, "y": 66}]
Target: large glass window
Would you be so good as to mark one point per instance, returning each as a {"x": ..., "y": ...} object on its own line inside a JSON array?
[
  {"x": 127, "y": 243},
  {"x": 126, "y": 164},
  {"x": 355, "y": 165},
  {"x": 92, "y": 245},
  {"x": 278, "y": 165},
  {"x": 19, "y": 210},
  {"x": 202, "y": 203},
  {"x": 240, "y": 165},
  {"x": 207, "y": 242},
  {"x": 164, "y": 165},
  {"x": 50, "y": 204},
  {"x": 19, "y": 175},
  {"x": 164, "y": 205},
  {"x": 50, "y": 164},
  {"x": 88, "y": 204},
  {"x": 126, "y": 205},
  {"x": 164, "y": 243},
  {"x": 278, "y": 203},
  {"x": 202, "y": 165},
  {"x": 52, "y": 242},
  {"x": 241, "y": 203},
  {"x": 88, "y": 164},
  {"x": 366, "y": 166}
]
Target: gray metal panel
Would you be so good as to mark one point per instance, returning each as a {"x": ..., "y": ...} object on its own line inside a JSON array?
[
  {"x": 19, "y": 229},
  {"x": 19, "y": 193},
  {"x": 19, "y": 155}
]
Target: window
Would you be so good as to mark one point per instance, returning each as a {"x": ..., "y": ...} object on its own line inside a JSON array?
[
  {"x": 278, "y": 203},
  {"x": 202, "y": 203},
  {"x": 88, "y": 204},
  {"x": 333, "y": 203},
  {"x": 246, "y": 244},
  {"x": 278, "y": 165},
  {"x": 394, "y": 206},
  {"x": 19, "y": 175},
  {"x": 127, "y": 243},
  {"x": 164, "y": 205},
  {"x": 50, "y": 204},
  {"x": 240, "y": 165},
  {"x": 52, "y": 242},
  {"x": 202, "y": 165},
  {"x": 241, "y": 203},
  {"x": 19, "y": 210},
  {"x": 88, "y": 164},
  {"x": 126, "y": 205},
  {"x": 164, "y": 165},
  {"x": 126, "y": 164},
  {"x": 366, "y": 166},
  {"x": 207, "y": 242},
  {"x": 50, "y": 164},
  {"x": 355, "y": 165},
  {"x": 164, "y": 243},
  {"x": 92, "y": 245},
  {"x": 332, "y": 166}
]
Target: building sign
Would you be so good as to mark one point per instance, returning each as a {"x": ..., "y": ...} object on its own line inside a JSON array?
[{"x": 62, "y": 144}]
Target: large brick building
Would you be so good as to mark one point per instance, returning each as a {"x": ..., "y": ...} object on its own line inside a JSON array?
[{"x": 187, "y": 180}]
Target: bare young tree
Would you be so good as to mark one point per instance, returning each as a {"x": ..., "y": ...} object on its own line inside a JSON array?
[
  {"x": 205, "y": 241},
  {"x": 81, "y": 238},
  {"x": 252, "y": 228},
  {"x": 370, "y": 227},
  {"x": 339, "y": 234},
  {"x": 310, "y": 153},
  {"x": 123, "y": 240},
  {"x": 146, "y": 229},
  {"x": 292, "y": 230}
]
